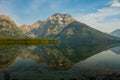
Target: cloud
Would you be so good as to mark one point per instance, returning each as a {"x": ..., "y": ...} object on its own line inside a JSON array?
[
  {"x": 100, "y": 15},
  {"x": 49, "y": 4},
  {"x": 116, "y": 3},
  {"x": 109, "y": 26},
  {"x": 99, "y": 19}
]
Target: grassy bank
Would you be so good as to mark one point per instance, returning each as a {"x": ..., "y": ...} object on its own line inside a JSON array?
[{"x": 27, "y": 41}]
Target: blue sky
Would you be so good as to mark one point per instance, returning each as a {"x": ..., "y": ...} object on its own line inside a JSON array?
[{"x": 103, "y": 15}]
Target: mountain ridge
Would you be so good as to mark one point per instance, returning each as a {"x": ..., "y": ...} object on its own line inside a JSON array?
[
  {"x": 80, "y": 34},
  {"x": 67, "y": 29},
  {"x": 30, "y": 30}
]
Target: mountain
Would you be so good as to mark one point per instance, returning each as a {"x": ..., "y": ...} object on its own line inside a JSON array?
[
  {"x": 55, "y": 24},
  {"x": 52, "y": 26},
  {"x": 9, "y": 28},
  {"x": 77, "y": 33},
  {"x": 31, "y": 30},
  {"x": 68, "y": 30},
  {"x": 116, "y": 33},
  {"x": 58, "y": 26}
]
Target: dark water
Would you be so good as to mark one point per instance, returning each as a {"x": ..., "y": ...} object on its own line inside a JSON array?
[{"x": 57, "y": 62}]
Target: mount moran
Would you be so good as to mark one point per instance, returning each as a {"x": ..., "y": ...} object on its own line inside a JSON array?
[{"x": 58, "y": 26}]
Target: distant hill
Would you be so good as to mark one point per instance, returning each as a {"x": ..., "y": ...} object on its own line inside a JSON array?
[
  {"x": 116, "y": 33},
  {"x": 8, "y": 28}
]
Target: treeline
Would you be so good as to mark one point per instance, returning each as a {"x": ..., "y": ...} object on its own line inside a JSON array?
[{"x": 28, "y": 41}]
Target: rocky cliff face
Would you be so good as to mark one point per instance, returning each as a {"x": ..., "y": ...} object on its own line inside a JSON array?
[
  {"x": 31, "y": 30},
  {"x": 60, "y": 19},
  {"x": 9, "y": 28},
  {"x": 49, "y": 28},
  {"x": 54, "y": 25},
  {"x": 27, "y": 28}
]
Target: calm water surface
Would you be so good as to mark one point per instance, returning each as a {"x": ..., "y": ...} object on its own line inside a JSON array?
[{"x": 56, "y": 62}]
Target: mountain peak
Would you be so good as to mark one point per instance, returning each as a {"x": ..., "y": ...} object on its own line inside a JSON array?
[
  {"x": 6, "y": 19},
  {"x": 39, "y": 22},
  {"x": 3, "y": 16},
  {"x": 61, "y": 19},
  {"x": 63, "y": 15},
  {"x": 27, "y": 28},
  {"x": 9, "y": 28}
]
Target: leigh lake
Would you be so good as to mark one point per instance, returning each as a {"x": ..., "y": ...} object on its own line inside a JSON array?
[{"x": 57, "y": 62}]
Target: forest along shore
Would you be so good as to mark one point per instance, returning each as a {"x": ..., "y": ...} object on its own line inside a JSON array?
[{"x": 27, "y": 41}]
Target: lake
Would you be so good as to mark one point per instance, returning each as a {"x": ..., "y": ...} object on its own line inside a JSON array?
[{"x": 57, "y": 62}]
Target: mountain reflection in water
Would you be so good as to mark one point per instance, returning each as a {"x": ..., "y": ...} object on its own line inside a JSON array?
[
  {"x": 106, "y": 61},
  {"x": 56, "y": 61}
]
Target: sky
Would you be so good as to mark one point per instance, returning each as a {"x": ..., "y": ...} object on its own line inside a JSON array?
[{"x": 103, "y": 15}]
